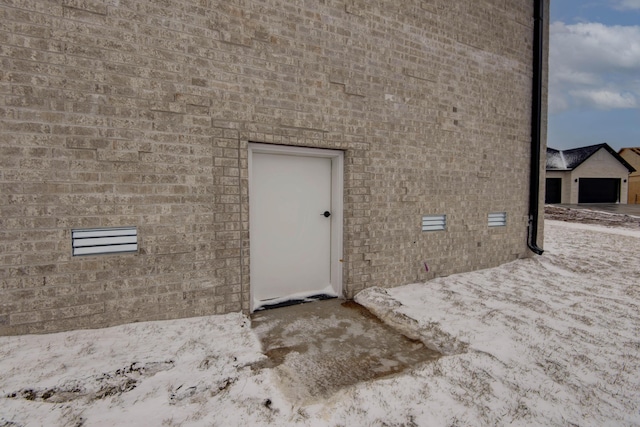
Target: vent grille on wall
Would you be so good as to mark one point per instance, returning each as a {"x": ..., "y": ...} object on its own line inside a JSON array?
[
  {"x": 497, "y": 219},
  {"x": 434, "y": 222},
  {"x": 95, "y": 241}
]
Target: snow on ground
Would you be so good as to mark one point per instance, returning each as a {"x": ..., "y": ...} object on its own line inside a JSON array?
[
  {"x": 551, "y": 340},
  {"x": 186, "y": 372}
]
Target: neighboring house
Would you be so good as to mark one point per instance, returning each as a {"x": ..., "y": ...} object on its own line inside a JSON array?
[
  {"x": 593, "y": 174},
  {"x": 632, "y": 156},
  {"x": 165, "y": 159}
]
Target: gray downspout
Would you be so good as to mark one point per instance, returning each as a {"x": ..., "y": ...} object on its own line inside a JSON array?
[{"x": 536, "y": 123}]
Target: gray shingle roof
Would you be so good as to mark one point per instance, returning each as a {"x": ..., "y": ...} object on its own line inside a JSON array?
[
  {"x": 571, "y": 159},
  {"x": 555, "y": 159}
]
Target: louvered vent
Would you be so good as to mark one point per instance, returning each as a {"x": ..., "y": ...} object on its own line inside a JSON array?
[
  {"x": 434, "y": 222},
  {"x": 497, "y": 219},
  {"x": 95, "y": 241}
]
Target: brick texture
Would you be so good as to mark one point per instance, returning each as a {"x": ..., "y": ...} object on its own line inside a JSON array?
[{"x": 139, "y": 113}]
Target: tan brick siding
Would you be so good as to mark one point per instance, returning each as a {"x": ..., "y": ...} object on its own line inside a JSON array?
[
  {"x": 139, "y": 113},
  {"x": 633, "y": 158},
  {"x": 634, "y": 190}
]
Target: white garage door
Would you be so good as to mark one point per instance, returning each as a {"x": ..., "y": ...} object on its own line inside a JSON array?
[{"x": 292, "y": 216}]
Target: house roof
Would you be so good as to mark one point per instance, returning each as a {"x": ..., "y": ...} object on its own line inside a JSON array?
[
  {"x": 571, "y": 159},
  {"x": 635, "y": 150},
  {"x": 555, "y": 159}
]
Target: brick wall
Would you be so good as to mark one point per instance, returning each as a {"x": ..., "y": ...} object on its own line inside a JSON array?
[{"x": 139, "y": 113}]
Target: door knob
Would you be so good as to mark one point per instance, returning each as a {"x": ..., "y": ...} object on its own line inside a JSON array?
[{"x": 326, "y": 214}]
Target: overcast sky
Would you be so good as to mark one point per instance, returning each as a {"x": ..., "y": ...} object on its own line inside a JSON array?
[{"x": 594, "y": 73}]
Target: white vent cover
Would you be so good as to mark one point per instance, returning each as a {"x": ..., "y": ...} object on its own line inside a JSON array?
[
  {"x": 95, "y": 241},
  {"x": 497, "y": 219},
  {"x": 434, "y": 222}
]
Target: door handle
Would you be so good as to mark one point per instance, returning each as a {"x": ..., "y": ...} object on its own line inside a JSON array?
[{"x": 326, "y": 214}]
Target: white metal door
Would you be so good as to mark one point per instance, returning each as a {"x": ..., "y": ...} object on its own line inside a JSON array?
[{"x": 290, "y": 235}]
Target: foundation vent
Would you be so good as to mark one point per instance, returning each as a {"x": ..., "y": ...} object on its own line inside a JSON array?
[
  {"x": 434, "y": 222},
  {"x": 497, "y": 219},
  {"x": 96, "y": 241}
]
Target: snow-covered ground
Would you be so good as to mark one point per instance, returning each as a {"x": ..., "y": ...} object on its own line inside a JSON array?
[{"x": 551, "y": 340}]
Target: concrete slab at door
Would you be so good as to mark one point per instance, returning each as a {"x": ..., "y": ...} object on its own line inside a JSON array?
[{"x": 290, "y": 237}]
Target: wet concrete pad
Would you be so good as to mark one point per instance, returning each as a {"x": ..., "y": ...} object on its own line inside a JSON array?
[{"x": 320, "y": 347}]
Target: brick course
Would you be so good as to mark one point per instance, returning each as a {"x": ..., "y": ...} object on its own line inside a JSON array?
[{"x": 134, "y": 112}]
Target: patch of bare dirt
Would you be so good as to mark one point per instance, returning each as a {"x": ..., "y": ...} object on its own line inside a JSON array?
[
  {"x": 587, "y": 216},
  {"x": 96, "y": 387}
]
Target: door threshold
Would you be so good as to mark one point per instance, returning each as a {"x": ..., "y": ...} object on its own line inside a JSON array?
[{"x": 295, "y": 301}]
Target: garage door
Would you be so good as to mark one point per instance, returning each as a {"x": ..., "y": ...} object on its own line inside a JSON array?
[
  {"x": 599, "y": 190},
  {"x": 294, "y": 216}
]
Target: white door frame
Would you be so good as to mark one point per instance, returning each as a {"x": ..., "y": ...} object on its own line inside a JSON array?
[{"x": 337, "y": 188}]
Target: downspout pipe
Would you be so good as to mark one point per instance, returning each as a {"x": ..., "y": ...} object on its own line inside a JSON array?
[{"x": 536, "y": 124}]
